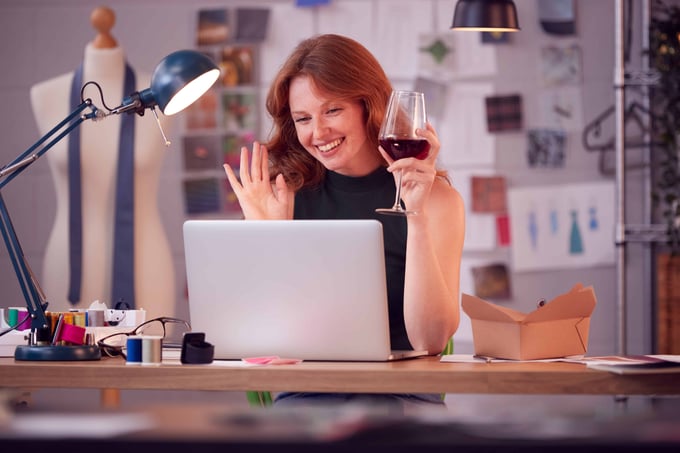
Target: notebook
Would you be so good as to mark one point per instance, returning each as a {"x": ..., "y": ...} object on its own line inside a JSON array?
[{"x": 303, "y": 289}]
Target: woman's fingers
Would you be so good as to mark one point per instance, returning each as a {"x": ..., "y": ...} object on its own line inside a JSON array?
[
  {"x": 243, "y": 169},
  {"x": 256, "y": 163},
  {"x": 233, "y": 180}
]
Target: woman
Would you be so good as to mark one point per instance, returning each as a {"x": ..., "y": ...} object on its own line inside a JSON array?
[{"x": 323, "y": 161}]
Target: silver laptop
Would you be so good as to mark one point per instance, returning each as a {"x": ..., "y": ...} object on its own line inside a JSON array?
[{"x": 304, "y": 289}]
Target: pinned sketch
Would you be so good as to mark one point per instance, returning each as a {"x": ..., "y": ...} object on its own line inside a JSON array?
[
  {"x": 563, "y": 226},
  {"x": 436, "y": 56},
  {"x": 492, "y": 281},
  {"x": 561, "y": 108},
  {"x": 546, "y": 148},
  {"x": 561, "y": 65}
]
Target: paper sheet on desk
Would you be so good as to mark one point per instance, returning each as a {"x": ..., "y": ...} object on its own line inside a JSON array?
[
  {"x": 172, "y": 357},
  {"x": 470, "y": 358}
]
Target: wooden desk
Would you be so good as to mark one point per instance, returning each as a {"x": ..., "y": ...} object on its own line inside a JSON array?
[{"x": 426, "y": 375}]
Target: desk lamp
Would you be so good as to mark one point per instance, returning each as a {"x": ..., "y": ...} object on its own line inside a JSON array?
[
  {"x": 485, "y": 15},
  {"x": 178, "y": 81}
]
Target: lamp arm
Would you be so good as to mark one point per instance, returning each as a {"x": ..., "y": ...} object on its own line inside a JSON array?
[{"x": 36, "y": 302}]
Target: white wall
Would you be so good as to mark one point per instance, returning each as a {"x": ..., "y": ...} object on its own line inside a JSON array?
[{"x": 44, "y": 38}]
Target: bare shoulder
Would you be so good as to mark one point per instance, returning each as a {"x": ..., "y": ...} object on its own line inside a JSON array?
[{"x": 446, "y": 200}]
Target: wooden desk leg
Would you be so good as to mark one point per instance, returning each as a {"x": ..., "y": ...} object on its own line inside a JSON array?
[{"x": 110, "y": 398}]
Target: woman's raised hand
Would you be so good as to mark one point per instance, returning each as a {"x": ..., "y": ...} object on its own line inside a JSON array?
[{"x": 259, "y": 199}]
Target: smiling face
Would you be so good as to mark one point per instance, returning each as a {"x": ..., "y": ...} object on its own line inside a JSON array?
[{"x": 331, "y": 129}]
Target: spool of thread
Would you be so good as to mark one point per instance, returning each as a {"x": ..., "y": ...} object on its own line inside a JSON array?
[
  {"x": 95, "y": 318},
  {"x": 18, "y": 315},
  {"x": 133, "y": 346},
  {"x": 79, "y": 318},
  {"x": 151, "y": 350},
  {"x": 12, "y": 317},
  {"x": 72, "y": 334}
]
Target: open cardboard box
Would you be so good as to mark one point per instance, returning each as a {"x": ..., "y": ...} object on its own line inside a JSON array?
[{"x": 557, "y": 329}]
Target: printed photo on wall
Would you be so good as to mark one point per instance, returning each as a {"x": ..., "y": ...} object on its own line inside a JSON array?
[
  {"x": 491, "y": 281},
  {"x": 237, "y": 65},
  {"x": 562, "y": 226},
  {"x": 212, "y": 27},
  {"x": 202, "y": 114},
  {"x": 239, "y": 111},
  {"x": 201, "y": 153},
  {"x": 546, "y": 148},
  {"x": 231, "y": 148},
  {"x": 202, "y": 196}
]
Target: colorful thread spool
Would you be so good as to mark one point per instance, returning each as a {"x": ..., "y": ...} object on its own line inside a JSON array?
[
  {"x": 133, "y": 346},
  {"x": 151, "y": 350}
]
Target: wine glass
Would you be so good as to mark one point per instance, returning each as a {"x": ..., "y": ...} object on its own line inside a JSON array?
[{"x": 405, "y": 113}]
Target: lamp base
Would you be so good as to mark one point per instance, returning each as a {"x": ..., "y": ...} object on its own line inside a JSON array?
[{"x": 57, "y": 353}]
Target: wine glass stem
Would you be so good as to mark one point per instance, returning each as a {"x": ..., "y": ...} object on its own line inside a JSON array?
[{"x": 397, "y": 197}]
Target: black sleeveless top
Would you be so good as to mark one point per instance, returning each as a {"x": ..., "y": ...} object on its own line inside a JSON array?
[{"x": 344, "y": 197}]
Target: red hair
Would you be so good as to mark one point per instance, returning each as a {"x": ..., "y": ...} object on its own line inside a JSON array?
[{"x": 336, "y": 64}]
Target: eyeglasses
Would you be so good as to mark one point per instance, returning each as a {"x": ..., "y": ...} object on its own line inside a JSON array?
[{"x": 112, "y": 345}]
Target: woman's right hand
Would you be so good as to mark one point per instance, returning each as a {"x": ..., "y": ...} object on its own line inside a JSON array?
[{"x": 259, "y": 199}]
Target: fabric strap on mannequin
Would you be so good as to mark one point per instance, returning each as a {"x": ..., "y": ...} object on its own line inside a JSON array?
[{"x": 123, "y": 245}]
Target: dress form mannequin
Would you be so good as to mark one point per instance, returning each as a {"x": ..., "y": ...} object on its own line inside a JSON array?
[{"x": 104, "y": 63}]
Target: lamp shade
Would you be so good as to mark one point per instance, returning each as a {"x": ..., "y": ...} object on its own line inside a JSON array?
[
  {"x": 485, "y": 15},
  {"x": 179, "y": 80}
]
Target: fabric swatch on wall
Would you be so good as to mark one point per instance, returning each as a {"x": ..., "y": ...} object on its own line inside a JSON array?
[
  {"x": 504, "y": 113},
  {"x": 488, "y": 194}
]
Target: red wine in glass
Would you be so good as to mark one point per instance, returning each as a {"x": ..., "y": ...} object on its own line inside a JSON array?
[
  {"x": 405, "y": 114},
  {"x": 400, "y": 148}
]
